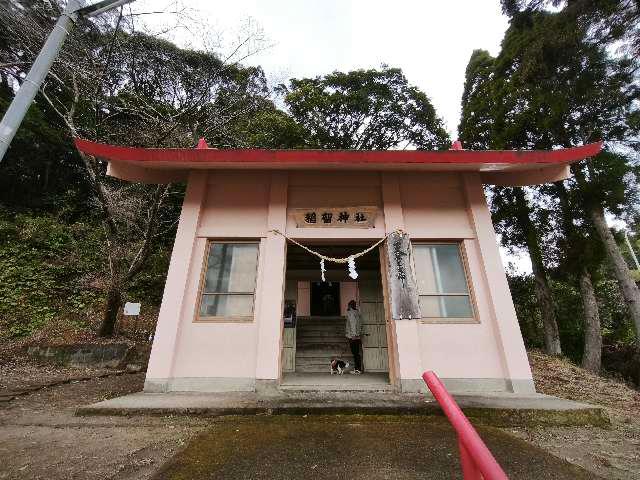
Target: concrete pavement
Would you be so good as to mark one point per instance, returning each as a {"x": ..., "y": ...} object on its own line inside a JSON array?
[{"x": 350, "y": 447}]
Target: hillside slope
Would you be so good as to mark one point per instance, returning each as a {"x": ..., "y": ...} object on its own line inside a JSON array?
[{"x": 613, "y": 453}]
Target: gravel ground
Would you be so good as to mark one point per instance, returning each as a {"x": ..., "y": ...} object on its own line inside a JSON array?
[
  {"x": 613, "y": 453},
  {"x": 42, "y": 439}
]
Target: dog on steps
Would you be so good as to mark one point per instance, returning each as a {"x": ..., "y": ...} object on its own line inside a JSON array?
[{"x": 338, "y": 366}]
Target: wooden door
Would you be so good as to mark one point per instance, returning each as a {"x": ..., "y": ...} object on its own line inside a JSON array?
[
  {"x": 289, "y": 350},
  {"x": 375, "y": 357}
]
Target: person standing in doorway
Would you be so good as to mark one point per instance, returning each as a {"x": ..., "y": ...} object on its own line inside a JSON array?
[{"x": 353, "y": 332}]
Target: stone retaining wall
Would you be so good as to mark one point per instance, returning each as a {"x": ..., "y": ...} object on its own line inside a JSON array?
[{"x": 110, "y": 355}]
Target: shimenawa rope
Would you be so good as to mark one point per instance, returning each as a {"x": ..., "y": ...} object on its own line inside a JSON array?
[{"x": 332, "y": 259}]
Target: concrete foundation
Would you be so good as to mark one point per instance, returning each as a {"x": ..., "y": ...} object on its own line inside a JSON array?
[
  {"x": 500, "y": 409},
  {"x": 478, "y": 385}
]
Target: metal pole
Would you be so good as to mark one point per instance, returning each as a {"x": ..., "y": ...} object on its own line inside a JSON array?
[
  {"x": 101, "y": 7},
  {"x": 633, "y": 254},
  {"x": 29, "y": 88},
  {"x": 26, "y": 93}
]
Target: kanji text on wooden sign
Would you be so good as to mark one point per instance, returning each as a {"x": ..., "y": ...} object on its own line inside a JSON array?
[
  {"x": 405, "y": 303},
  {"x": 349, "y": 217}
]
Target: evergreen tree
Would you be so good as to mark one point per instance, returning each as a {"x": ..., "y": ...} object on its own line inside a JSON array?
[
  {"x": 552, "y": 86},
  {"x": 606, "y": 22},
  {"x": 512, "y": 212},
  {"x": 364, "y": 109}
]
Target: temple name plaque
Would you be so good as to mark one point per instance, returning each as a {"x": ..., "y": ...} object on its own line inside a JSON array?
[{"x": 336, "y": 217}]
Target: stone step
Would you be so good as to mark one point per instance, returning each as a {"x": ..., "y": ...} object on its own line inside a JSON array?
[
  {"x": 320, "y": 328},
  {"x": 321, "y": 356},
  {"x": 333, "y": 346},
  {"x": 313, "y": 368},
  {"x": 322, "y": 339},
  {"x": 321, "y": 364},
  {"x": 326, "y": 339},
  {"x": 321, "y": 333},
  {"x": 323, "y": 347},
  {"x": 333, "y": 323},
  {"x": 316, "y": 367},
  {"x": 339, "y": 386}
]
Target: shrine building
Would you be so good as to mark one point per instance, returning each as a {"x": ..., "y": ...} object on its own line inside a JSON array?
[{"x": 248, "y": 306}]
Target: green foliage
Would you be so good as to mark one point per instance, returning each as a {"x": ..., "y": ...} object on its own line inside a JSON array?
[
  {"x": 50, "y": 269},
  {"x": 364, "y": 109},
  {"x": 609, "y": 22},
  {"x": 41, "y": 261},
  {"x": 41, "y": 165},
  {"x": 616, "y": 325},
  {"x": 550, "y": 86},
  {"x": 553, "y": 85},
  {"x": 527, "y": 309},
  {"x": 148, "y": 286}
]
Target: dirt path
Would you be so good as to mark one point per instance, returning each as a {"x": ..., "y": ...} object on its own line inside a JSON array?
[
  {"x": 613, "y": 453},
  {"x": 41, "y": 439}
]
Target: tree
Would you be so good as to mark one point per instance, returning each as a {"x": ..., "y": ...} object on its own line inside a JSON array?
[
  {"x": 580, "y": 255},
  {"x": 552, "y": 86},
  {"x": 364, "y": 109},
  {"x": 112, "y": 83},
  {"x": 607, "y": 23},
  {"x": 512, "y": 213}
]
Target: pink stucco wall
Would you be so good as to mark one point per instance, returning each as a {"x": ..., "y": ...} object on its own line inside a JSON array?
[{"x": 190, "y": 355}]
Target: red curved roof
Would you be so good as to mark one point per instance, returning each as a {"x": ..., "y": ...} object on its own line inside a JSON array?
[{"x": 187, "y": 157}]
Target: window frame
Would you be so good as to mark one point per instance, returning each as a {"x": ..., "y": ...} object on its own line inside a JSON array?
[
  {"x": 203, "y": 272},
  {"x": 467, "y": 276}
]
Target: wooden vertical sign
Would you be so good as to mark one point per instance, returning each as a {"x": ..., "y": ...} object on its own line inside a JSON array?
[{"x": 402, "y": 284}]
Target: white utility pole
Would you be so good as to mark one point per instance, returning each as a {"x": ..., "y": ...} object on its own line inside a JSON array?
[
  {"x": 26, "y": 93},
  {"x": 633, "y": 254}
]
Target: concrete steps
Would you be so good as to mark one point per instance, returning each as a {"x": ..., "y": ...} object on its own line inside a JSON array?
[
  {"x": 338, "y": 387},
  {"x": 318, "y": 341},
  {"x": 322, "y": 349},
  {"x": 325, "y": 382}
]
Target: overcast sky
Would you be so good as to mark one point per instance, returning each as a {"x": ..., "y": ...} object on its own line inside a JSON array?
[{"x": 431, "y": 41}]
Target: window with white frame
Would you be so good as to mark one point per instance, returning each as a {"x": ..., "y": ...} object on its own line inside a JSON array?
[
  {"x": 229, "y": 280},
  {"x": 442, "y": 281}
]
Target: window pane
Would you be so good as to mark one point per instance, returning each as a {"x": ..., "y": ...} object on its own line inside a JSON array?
[
  {"x": 226, "y": 306},
  {"x": 231, "y": 267},
  {"x": 450, "y": 267},
  {"x": 449, "y": 306},
  {"x": 425, "y": 273},
  {"x": 439, "y": 269}
]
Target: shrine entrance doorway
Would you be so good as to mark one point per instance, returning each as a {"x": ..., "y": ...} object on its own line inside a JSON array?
[
  {"x": 325, "y": 299},
  {"x": 318, "y": 333}
]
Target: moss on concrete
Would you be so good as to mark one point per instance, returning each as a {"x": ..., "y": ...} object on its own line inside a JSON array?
[
  {"x": 349, "y": 446},
  {"x": 499, "y": 417}
]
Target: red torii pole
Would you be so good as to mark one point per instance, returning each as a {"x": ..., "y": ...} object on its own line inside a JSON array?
[{"x": 475, "y": 458}]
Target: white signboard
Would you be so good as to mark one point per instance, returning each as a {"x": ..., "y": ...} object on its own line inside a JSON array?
[{"x": 132, "y": 308}]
